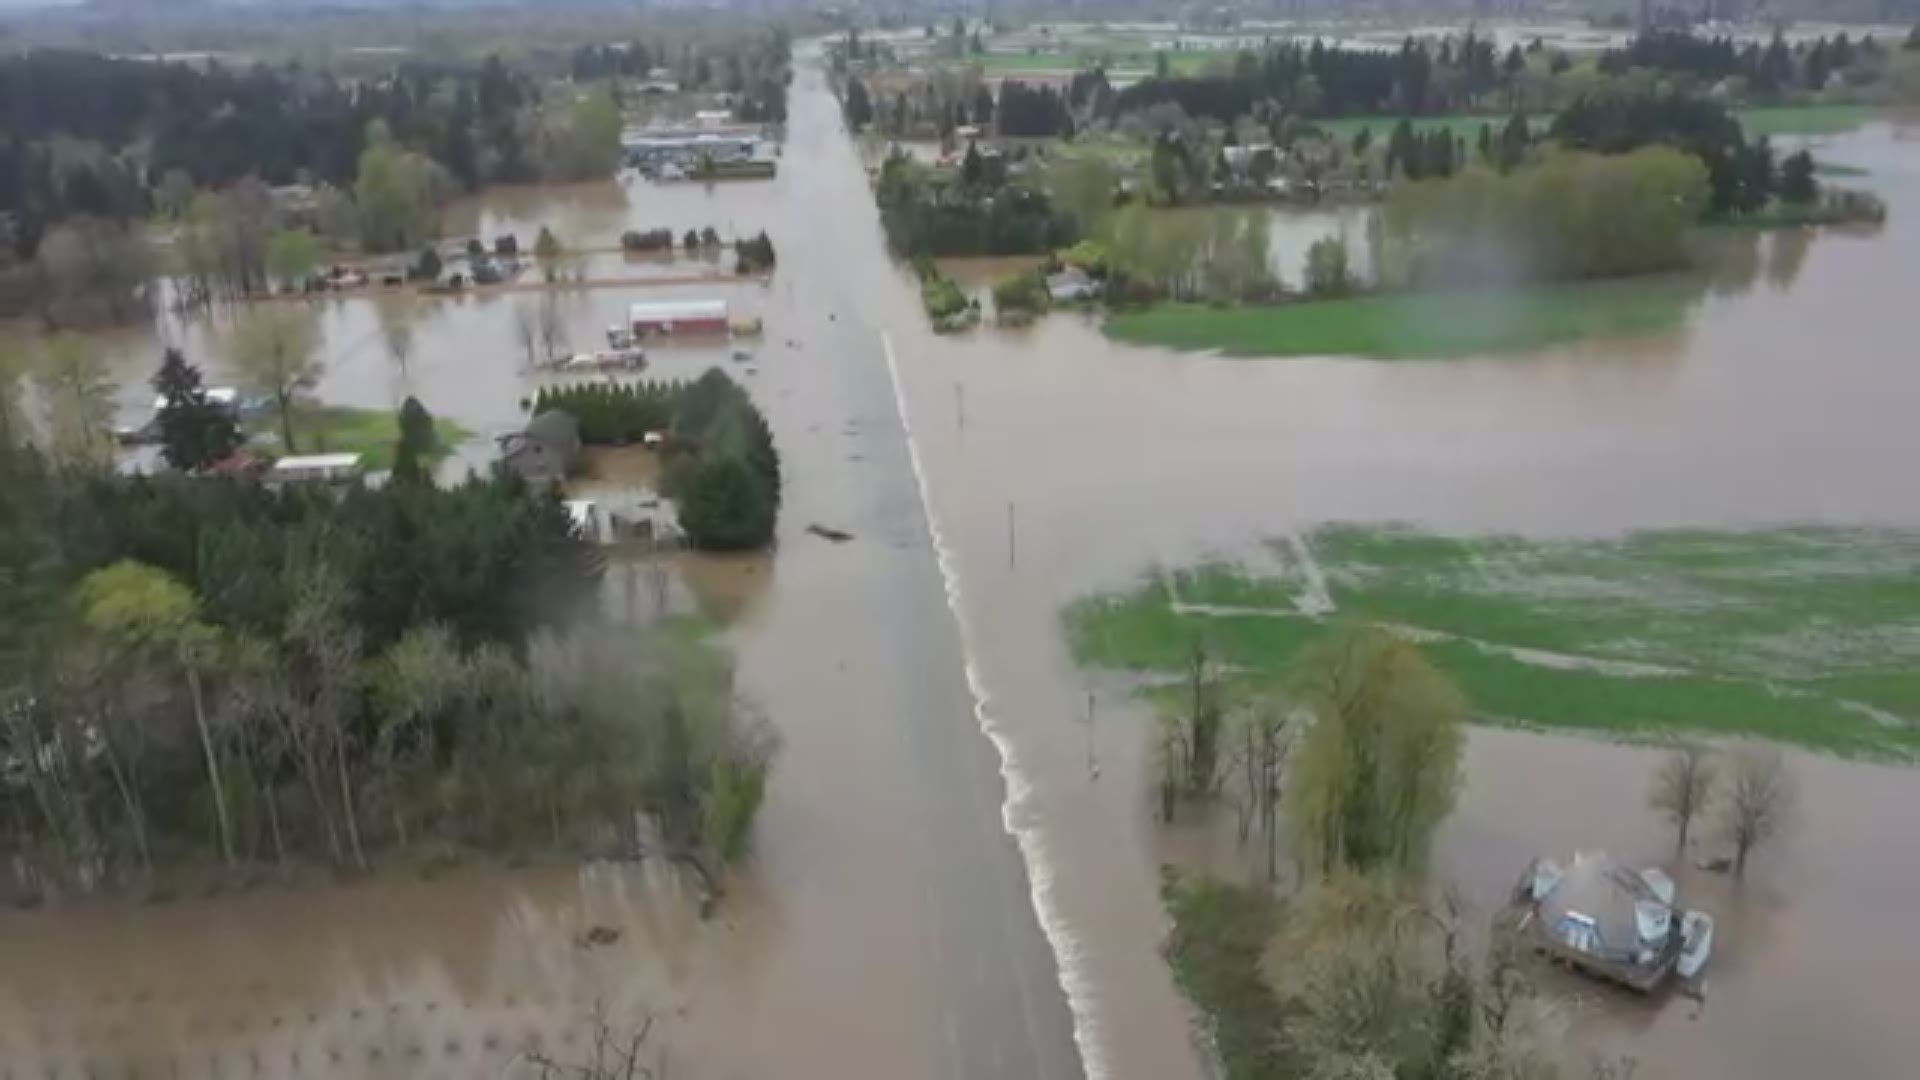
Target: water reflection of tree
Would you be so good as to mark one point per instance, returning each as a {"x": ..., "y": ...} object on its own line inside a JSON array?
[
  {"x": 396, "y": 317},
  {"x": 1786, "y": 254},
  {"x": 1730, "y": 261}
]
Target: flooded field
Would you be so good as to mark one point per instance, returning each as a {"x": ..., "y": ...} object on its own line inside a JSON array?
[
  {"x": 1076, "y": 464},
  {"x": 956, "y": 868}
]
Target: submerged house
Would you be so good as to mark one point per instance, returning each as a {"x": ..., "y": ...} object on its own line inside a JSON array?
[
  {"x": 1614, "y": 921},
  {"x": 545, "y": 450}
]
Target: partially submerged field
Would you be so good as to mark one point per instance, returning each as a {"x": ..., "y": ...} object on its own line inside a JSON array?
[
  {"x": 1805, "y": 636},
  {"x": 1416, "y": 326}
]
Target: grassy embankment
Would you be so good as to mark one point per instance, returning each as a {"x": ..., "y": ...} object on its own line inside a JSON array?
[
  {"x": 371, "y": 433},
  {"x": 1408, "y": 326},
  {"x": 1804, "y": 636}
]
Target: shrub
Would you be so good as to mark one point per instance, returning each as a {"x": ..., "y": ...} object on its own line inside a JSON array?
[{"x": 1025, "y": 291}]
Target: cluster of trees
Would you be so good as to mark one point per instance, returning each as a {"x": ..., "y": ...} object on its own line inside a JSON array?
[
  {"x": 199, "y": 667},
  {"x": 752, "y": 69},
  {"x": 1771, "y": 73},
  {"x": 1750, "y": 805},
  {"x": 1742, "y": 176},
  {"x": 1019, "y": 295},
  {"x": 927, "y": 213},
  {"x": 721, "y": 467},
  {"x": 1031, "y": 112},
  {"x": 1317, "y": 80},
  {"x": 754, "y": 255},
  {"x": 1217, "y": 254},
  {"x": 947, "y": 306},
  {"x": 216, "y": 125},
  {"x": 1573, "y": 215},
  {"x": 937, "y": 106}
]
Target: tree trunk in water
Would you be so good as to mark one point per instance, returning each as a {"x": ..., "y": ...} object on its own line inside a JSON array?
[
  {"x": 213, "y": 766},
  {"x": 346, "y": 798},
  {"x": 286, "y": 421},
  {"x": 273, "y": 826},
  {"x": 135, "y": 817},
  {"x": 311, "y": 773}
]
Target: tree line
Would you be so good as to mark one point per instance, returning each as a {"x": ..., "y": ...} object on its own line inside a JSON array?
[
  {"x": 1742, "y": 176},
  {"x": 203, "y": 672},
  {"x": 1572, "y": 215},
  {"x": 1772, "y": 72},
  {"x": 1317, "y": 80},
  {"x": 752, "y": 69},
  {"x": 720, "y": 464},
  {"x": 927, "y": 212}
]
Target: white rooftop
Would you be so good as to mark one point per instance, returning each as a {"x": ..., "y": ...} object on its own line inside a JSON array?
[
  {"x": 219, "y": 395},
  {"x": 667, "y": 310},
  {"x": 303, "y": 462}
]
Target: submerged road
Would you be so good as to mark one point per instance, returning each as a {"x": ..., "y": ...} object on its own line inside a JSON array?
[{"x": 997, "y": 987}]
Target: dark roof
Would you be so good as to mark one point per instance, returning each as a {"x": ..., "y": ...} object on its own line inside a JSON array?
[
  {"x": 554, "y": 427},
  {"x": 1605, "y": 891}
]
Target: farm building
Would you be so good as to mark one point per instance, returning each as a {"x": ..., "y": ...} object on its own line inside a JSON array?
[
  {"x": 678, "y": 317},
  {"x": 314, "y": 468},
  {"x": 545, "y": 450}
]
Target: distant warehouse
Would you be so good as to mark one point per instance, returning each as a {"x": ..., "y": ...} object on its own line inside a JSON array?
[{"x": 671, "y": 317}]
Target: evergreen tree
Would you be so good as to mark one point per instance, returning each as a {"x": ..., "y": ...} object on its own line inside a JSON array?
[
  {"x": 414, "y": 449},
  {"x": 970, "y": 166},
  {"x": 195, "y": 432},
  {"x": 1514, "y": 139},
  {"x": 859, "y": 105},
  {"x": 1797, "y": 184},
  {"x": 725, "y": 507}
]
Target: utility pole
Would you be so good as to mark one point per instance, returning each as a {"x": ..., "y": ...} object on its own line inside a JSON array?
[
  {"x": 1093, "y": 763},
  {"x": 960, "y": 406},
  {"x": 1011, "y": 561}
]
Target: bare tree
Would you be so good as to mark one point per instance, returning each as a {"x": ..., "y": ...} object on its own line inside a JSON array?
[
  {"x": 1261, "y": 741},
  {"x": 1759, "y": 800},
  {"x": 78, "y": 400},
  {"x": 526, "y": 330},
  {"x": 1681, "y": 788},
  {"x": 610, "y": 1054},
  {"x": 272, "y": 349}
]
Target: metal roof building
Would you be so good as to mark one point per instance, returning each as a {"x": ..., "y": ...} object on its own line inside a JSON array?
[{"x": 678, "y": 317}]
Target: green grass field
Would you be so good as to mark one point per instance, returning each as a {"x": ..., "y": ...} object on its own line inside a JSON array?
[
  {"x": 1418, "y": 326},
  {"x": 371, "y": 433},
  {"x": 1804, "y": 636},
  {"x": 1776, "y": 120}
]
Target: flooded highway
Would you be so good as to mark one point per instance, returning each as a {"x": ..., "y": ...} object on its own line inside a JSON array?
[{"x": 956, "y": 869}]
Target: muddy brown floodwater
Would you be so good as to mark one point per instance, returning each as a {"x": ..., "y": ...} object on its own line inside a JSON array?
[
  {"x": 1066, "y": 463},
  {"x": 956, "y": 869}
]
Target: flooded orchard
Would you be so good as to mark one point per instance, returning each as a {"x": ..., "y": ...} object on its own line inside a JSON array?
[{"x": 956, "y": 867}]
